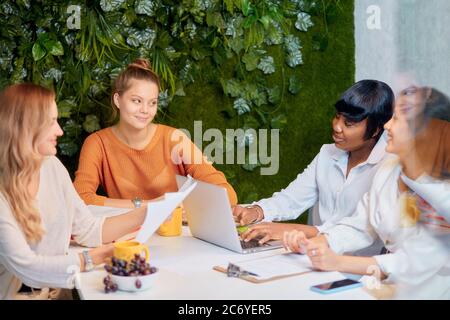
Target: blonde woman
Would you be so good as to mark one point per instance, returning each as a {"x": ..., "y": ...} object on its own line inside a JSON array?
[
  {"x": 136, "y": 160},
  {"x": 39, "y": 208}
]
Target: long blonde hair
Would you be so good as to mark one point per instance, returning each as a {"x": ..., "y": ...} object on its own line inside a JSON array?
[{"x": 24, "y": 115}]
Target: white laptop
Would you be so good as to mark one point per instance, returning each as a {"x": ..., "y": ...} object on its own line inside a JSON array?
[{"x": 210, "y": 219}]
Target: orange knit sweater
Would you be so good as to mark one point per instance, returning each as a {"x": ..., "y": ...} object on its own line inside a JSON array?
[{"x": 125, "y": 173}]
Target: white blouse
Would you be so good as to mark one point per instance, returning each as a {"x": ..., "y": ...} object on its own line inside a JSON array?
[
  {"x": 48, "y": 263},
  {"x": 419, "y": 256},
  {"x": 435, "y": 191}
]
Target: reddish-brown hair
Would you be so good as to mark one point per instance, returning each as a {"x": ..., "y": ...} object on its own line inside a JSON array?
[{"x": 140, "y": 69}]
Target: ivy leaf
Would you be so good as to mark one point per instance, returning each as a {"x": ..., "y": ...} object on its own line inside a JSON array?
[
  {"x": 128, "y": 17},
  {"x": 91, "y": 123},
  {"x": 274, "y": 35},
  {"x": 250, "y": 91},
  {"x": 146, "y": 7},
  {"x": 68, "y": 148},
  {"x": 215, "y": 19},
  {"x": 259, "y": 97},
  {"x": 294, "y": 59},
  {"x": 199, "y": 52},
  {"x": 144, "y": 38},
  {"x": 54, "y": 47},
  {"x": 250, "y": 122},
  {"x": 307, "y": 6},
  {"x": 254, "y": 36},
  {"x": 292, "y": 46},
  {"x": 187, "y": 73},
  {"x": 303, "y": 22},
  {"x": 219, "y": 55},
  {"x": 265, "y": 20},
  {"x": 236, "y": 44},
  {"x": 53, "y": 73},
  {"x": 232, "y": 87},
  {"x": 229, "y": 5},
  {"x": 25, "y": 3},
  {"x": 251, "y": 60},
  {"x": 179, "y": 91},
  {"x": 266, "y": 65},
  {"x": 262, "y": 117},
  {"x": 71, "y": 128},
  {"x": 110, "y": 5},
  {"x": 38, "y": 51},
  {"x": 294, "y": 85},
  {"x": 171, "y": 53},
  {"x": 163, "y": 99},
  {"x": 274, "y": 94},
  {"x": 241, "y": 106},
  {"x": 234, "y": 27},
  {"x": 114, "y": 73},
  {"x": 292, "y": 43},
  {"x": 19, "y": 72},
  {"x": 279, "y": 122}
]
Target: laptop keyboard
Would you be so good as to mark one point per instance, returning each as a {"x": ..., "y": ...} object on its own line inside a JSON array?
[{"x": 251, "y": 244}]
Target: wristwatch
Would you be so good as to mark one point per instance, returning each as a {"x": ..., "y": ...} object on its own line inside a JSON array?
[
  {"x": 88, "y": 263},
  {"x": 137, "y": 202}
]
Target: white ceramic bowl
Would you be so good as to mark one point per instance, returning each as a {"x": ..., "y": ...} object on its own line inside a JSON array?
[{"x": 129, "y": 283}]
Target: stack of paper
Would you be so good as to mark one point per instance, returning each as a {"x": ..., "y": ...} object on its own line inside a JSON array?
[{"x": 159, "y": 211}]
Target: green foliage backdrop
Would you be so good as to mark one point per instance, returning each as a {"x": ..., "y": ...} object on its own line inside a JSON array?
[{"x": 232, "y": 64}]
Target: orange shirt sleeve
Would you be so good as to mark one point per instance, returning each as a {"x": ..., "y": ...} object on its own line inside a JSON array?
[
  {"x": 88, "y": 176},
  {"x": 197, "y": 165}
]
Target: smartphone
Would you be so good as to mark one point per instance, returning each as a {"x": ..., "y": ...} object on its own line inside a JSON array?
[{"x": 336, "y": 286}]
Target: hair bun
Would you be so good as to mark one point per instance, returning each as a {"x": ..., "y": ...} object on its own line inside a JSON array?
[{"x": 141, "y": 63}]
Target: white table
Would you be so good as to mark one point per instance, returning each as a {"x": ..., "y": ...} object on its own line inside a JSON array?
[{"x": 185, "y": 273}]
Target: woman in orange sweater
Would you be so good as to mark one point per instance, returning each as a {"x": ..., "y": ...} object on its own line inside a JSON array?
[{"x": 136, "y": 160}]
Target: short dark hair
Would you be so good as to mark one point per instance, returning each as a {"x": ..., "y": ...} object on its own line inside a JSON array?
[{"x": 368, "y": 99}]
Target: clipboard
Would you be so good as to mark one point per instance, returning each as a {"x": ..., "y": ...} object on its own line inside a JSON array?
[{"x": 248, "y": 273}]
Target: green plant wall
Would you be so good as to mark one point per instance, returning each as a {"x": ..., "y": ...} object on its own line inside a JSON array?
[
  {"x": 231, "y": 64},
  {"x": 323, "y": 76}
]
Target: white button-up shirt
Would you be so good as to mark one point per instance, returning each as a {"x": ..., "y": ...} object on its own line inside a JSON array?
[
  {"x": 419, "y": 255},
  {"x": 325, "y": 182}
]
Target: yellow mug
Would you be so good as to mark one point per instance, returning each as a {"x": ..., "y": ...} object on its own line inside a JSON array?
[
  {"x": 126, "y": 250},
  {"x": 172, "y": 227}
]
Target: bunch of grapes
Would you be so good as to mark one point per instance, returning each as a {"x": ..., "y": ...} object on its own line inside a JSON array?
[
  {"x": 136, "y": 267},
  {"x": 110, "y": 286}
]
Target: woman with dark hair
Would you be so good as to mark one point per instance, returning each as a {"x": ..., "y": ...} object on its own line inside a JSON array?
[
  {"x": 403, "y": 208},
  {"x": 338, "y": 176}
]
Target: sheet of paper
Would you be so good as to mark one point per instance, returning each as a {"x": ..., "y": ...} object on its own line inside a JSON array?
[
  {"x": 159, "y": 211},
  {"x": 277, "y": 265}
]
